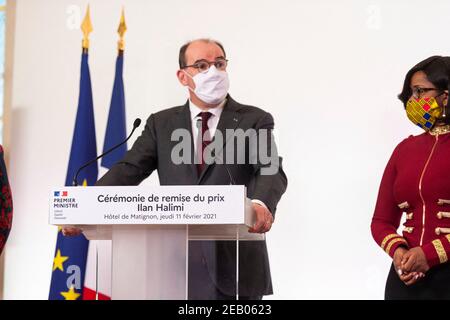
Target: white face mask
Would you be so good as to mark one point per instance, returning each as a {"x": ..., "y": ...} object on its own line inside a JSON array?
[{"x": 212, "y": 86}]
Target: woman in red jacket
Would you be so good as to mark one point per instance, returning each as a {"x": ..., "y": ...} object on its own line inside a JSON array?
[
  {"x": 416, "y": 183},
  {"x": 6, "y": 208}
]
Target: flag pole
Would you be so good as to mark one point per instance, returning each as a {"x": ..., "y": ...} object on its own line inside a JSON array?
[{"x": 73, "y": 251}]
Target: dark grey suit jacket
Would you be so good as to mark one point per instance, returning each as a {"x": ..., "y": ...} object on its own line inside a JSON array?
[{"x": 152, "y": 151}]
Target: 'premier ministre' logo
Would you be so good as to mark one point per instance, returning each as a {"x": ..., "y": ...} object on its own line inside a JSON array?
[{"x": 61, "y": 200}]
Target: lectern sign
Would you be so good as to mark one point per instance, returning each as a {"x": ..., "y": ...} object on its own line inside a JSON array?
[{"x": 148, "y": 205}]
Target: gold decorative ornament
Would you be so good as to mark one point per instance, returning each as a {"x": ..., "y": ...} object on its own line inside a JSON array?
[
  {"x": 387, "y": 238},
  {"x": 86, "y": 28},
  {"x": 440, "y": 230},
  {"x": 388, "y": 248},
  {"x": 443, "y": 214},
  {"x": 121, "y": 31},
  {"x": 408, "y": 229},
  {"x": 404, "y": 205},
  {"x": 437, "y": 130},
  {"x": 443, "y": 201},
  {"x": 440, "y": 250}
]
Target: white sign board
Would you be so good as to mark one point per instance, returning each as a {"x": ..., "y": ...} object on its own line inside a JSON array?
[{"x": 147, "y": 205}]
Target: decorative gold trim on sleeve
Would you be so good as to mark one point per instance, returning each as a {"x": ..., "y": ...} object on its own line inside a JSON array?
[
  {"x": 388, "y": 248},
  {"x": 387, "y": 238},
  {"x": 440, "y": 250},
  {"x": 448, "y": 237}
]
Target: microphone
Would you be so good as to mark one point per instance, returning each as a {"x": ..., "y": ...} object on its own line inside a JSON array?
[{"x": 136, "y": 124}]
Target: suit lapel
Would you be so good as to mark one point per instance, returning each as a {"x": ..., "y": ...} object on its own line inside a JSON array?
[
  {"x": 182, "y": 120},
  {"x": 229, "y": 119}
]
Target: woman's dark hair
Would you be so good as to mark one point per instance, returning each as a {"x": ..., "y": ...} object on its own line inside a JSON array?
[{"x": 437, "y": 70}]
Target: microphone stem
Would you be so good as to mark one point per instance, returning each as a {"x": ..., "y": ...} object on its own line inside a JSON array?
[{"x": 75, "y": 179}]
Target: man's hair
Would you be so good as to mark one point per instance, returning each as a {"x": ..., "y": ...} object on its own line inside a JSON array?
[{"x": 182, "y": 56}]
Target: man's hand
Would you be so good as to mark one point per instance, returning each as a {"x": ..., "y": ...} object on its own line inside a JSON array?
[
  {"x": 71, "y": 231},
  {"x": 264, "y": 219}
]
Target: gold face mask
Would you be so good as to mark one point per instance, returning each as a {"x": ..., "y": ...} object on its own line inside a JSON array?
[{"x": 423, "y": 112}]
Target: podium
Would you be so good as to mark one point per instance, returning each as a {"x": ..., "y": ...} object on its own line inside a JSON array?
[{"x": 151, "y": 228}]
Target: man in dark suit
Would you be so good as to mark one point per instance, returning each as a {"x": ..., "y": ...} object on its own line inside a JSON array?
[{"x": 210, "y": 112}]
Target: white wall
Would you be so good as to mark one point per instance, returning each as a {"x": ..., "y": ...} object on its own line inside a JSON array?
[{"x": 328, "y": 71}]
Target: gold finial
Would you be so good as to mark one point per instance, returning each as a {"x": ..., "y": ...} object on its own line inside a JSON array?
[
  {"x": 86, "y": 27},
  {"x": 121, "y": 31}
]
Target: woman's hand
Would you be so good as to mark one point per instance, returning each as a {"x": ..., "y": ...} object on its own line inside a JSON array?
[
  {"x": 415, "y": 261},
  {"x": 398, "y": 257},
  {"x": 409, "y": 278}
]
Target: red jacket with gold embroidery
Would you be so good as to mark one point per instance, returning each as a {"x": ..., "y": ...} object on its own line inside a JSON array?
[
  {"x": 6, "y": 205},
  {"x": 416, "y": 182}
]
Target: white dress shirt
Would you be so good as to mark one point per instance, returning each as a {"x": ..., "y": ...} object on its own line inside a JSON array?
[{"x": 213, "y": 121}]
